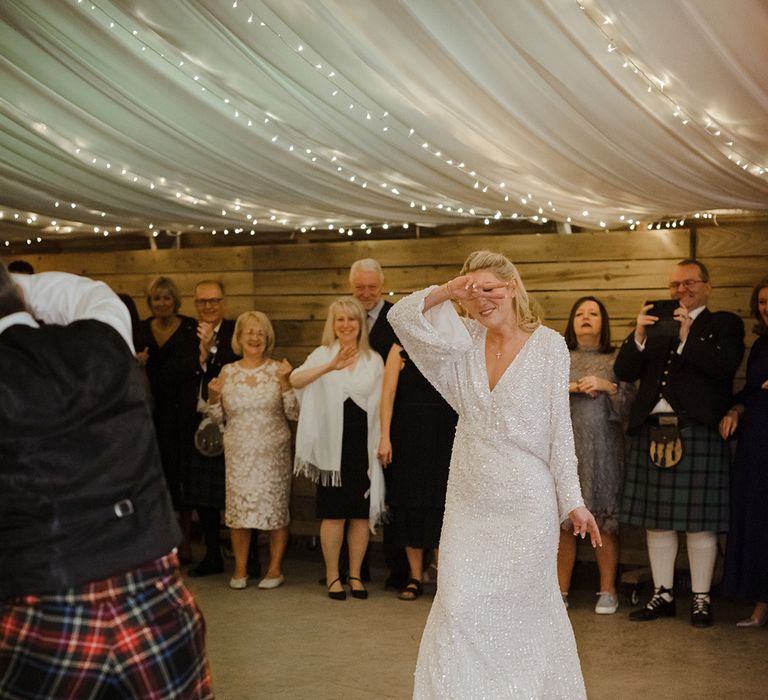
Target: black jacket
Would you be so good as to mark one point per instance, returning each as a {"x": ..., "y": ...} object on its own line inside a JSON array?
[
  {"x": 698, "y": 382},
  {"x": 82, "y": 493},
  {"x": 381, "y": 336}
]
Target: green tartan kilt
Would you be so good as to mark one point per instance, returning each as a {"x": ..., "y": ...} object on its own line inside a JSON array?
[
  {"x": 691, "y": 496},
  {"x": 202, "y": 478}
]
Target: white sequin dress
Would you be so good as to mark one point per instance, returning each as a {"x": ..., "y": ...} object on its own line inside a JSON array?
[{"x": 498, "y": 627}]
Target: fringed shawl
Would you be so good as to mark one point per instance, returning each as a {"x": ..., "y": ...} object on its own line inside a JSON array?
[{"x": 321, "y": 421}]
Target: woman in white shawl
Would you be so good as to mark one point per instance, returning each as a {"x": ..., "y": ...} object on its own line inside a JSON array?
[{"x": 339, "y": 386}]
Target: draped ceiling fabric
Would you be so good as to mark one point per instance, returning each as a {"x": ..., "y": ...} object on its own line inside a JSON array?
[{"x": 189, "y": 115}]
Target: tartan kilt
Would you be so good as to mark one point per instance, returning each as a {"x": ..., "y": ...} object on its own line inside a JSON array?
[
  {"x": 202, "y": 478},
  {"x": 137, "y": 635},
  {"x": 692, "y": 496}
]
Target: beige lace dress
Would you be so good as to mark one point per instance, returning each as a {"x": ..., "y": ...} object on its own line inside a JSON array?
[{"x": 257, "y": 445}]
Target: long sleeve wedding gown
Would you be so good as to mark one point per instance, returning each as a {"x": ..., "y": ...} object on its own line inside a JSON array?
[{"x": 498, "y": 627}]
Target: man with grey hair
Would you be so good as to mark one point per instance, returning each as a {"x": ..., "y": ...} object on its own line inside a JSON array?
[{"x": 366, "y": 282}]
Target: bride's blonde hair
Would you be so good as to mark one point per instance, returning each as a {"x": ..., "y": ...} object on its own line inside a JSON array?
[{"x": 502, "y": 267}]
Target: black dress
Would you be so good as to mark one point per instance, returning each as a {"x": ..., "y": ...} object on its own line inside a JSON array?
[
  {"x": 349, "y": 499},
  {"x": 746, "y": 560},
  {"x": 170, "y": 371},
  {"x": 422, "y": 432}
]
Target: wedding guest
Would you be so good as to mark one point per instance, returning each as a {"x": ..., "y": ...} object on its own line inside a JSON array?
[
  {"x": 169, "y": 358},
  {"x": 339, "y": 388},
  {"x": 255, "y": 401},
  {"x": 599, "y": 407},
  {"x": 366, "y": 284},
  {"x": 746, "y": 560},
  {"x": 202, "y": 476},
  {"x": 417, "y": 429},
  {"x": 677, "y": 464}
]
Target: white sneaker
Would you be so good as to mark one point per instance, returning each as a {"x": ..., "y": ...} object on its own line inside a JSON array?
[
  {"x": 267, "y": 583},
  {"x": 607, "y": 603},
  {"x": 238, "y": 583}
]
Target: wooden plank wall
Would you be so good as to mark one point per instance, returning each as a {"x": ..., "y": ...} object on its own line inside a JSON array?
[{"x": 293, "y": 284}]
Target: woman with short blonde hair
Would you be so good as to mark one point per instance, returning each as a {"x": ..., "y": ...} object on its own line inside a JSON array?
[
  {"x": 254, "y": 401},
  {"x": 261, "y": 320}
]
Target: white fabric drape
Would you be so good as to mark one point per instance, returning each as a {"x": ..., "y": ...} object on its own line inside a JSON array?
[{"x": 519, "y": 92}]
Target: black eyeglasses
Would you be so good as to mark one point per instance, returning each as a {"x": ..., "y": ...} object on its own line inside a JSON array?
[{"x": 215, "y": 301}]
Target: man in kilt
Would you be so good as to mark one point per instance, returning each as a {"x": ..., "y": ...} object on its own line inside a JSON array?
[
  {"x": 91, "y": 601},
  {"x": 202, "y": 477},
  {"x": 677, "y": 468}
]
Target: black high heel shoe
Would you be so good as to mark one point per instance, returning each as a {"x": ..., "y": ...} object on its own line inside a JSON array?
[
  {"x": 361, "y": 595},
  {"x": 337, "y": 595}
]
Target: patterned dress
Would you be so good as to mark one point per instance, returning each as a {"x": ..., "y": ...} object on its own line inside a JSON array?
[
  {"x": 257, "y": 445},
  {"x": 498, "y": 627},
  {"x": 598, "y": 431}
]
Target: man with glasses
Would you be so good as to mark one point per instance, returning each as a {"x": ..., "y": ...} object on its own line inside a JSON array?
[
  {"x": 677, "y": 468},
  {"x": 202, "y": 478}
]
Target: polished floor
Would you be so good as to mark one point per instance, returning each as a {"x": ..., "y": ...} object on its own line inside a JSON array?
[{"x": 294, "y": 643}]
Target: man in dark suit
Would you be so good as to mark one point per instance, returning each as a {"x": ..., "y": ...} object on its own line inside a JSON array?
[
  {"x": 202, "y": 478},
  {"x": 686, "y": 381},
  {"x": 366, "y": 282},
  {"x": 91, "y": 601}
]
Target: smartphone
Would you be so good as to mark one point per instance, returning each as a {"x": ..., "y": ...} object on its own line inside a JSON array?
[{"x": 667, "y": 326}]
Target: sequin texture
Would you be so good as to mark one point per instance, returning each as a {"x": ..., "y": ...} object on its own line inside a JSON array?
[{"x": 498, "y": 627}]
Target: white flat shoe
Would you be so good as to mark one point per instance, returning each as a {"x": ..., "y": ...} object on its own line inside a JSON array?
[
  {"x": 268, "y": 583},
  {"x": 607, "y": 603},
  {"x": 238, "y": 583},
  {"x": 752, "y": 622}
]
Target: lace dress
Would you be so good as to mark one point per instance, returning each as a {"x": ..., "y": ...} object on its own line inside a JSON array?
[
  {"x": 257, "y": 445},
  {"x": 598, "y": 429},
  {"x": 498, "y": 627}
]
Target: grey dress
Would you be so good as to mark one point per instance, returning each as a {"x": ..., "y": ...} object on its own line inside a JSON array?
[{"x": 598, "y": 431}]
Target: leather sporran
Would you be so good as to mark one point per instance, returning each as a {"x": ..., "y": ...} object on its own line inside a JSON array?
[
  {"x": 209, "y": 440},
  {"x": 666, "y": 445}
]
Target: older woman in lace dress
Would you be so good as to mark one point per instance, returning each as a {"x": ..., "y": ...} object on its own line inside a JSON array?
[{"x": 254, "y": 400}]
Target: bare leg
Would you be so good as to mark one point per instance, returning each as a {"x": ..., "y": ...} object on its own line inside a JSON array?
[
  {"x": 608, "y": 562},
  {"x": 357, "y": 541},
  {"x": 278, "y": 539},
  {"x": 566, "y": 558},
  {"x": 331, "y": 537},
  {"x": 415, "y": 561},
  {"x": 241, "y": 541},
  {"x": 760, "y": 612}
]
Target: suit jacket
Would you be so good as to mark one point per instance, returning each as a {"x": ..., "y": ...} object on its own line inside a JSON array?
[
  {"x": 698, "y": 382},
  {"x": 82, "y": 492},
  {"x": 223, "y": 356},
  {"x": 381, "y": 336}
]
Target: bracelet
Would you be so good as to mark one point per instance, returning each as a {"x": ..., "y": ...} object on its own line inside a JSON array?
[{"x": 449, "y": 290}]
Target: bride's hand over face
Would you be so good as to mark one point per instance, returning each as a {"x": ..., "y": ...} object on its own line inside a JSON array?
[{"x": 469, "y": 288}]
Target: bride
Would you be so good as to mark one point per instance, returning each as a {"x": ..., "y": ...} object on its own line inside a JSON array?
[{"x": 498, "y": 627}]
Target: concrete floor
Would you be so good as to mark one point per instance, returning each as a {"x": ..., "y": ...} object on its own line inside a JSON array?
[{"x": 294, "y": 643}]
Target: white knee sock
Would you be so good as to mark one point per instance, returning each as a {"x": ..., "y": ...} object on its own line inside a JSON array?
[
  {"x": 662, "y": 551},
  {"x": 702, "y": 553}
]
